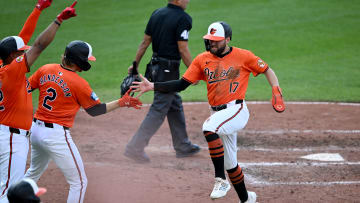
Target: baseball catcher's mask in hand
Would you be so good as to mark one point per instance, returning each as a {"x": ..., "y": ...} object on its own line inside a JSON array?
[
  {"x": 277, "y": 99},
  {"x": 127, "y": 82}
]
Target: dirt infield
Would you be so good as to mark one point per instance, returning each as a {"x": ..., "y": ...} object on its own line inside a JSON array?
[{"x": 270, "y": 151}]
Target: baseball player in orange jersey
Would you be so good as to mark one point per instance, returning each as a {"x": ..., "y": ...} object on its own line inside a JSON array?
[
  {"x": 15, "y": 99},
  {"x": 62, "y": 92},
  {"x": 226, "y": 71}
]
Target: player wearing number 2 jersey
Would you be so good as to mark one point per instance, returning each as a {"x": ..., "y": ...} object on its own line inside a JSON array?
[
  {"x": 15, "y": 97},
  {"x": 62, "y": 93},
  {"x": 226, "y": 71}
]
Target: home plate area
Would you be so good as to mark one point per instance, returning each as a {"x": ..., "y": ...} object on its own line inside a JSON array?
[{"x": 309, "y": 153}]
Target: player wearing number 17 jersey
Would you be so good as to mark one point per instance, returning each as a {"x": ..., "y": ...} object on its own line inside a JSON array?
[
  {"x": 62, "y": 93},
  {"x": 226, "y": 71}
]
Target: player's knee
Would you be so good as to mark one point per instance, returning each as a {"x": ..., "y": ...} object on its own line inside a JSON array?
[
  {"x": 80, "y": 184},
  {"x": 207, "y": 127},
  {"x": 84, "y": 182}
]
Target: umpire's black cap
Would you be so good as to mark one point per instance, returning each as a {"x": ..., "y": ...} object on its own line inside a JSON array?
[
  {"x": 25, "y": 191},
  {"x": 79, "y": 52}
]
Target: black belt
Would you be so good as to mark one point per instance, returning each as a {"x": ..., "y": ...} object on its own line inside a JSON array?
[
  {"x": 16, "y": 130},
  {"x": 168, "y": 60},
  {"x": 155, "y": 57},
  {"x": 50, "y": 125},
  {"x": 224, "y": 106}
]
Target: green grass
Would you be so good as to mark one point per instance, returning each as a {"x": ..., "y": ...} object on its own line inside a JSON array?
[{"x": 313, "y": 46}]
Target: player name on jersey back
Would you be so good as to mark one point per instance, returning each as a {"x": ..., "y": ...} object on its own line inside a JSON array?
[{"x": 57, "y": 80}]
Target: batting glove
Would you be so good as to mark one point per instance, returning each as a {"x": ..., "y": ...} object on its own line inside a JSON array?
[
  {"x": 67, "y": 13},
  {"x": 129, "y": 101},
  {"x": 42, "y": 4},
  {"x": 277, "y": 99}
]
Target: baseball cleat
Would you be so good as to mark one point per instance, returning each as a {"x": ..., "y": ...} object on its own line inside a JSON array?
[
  {"x": 221, "y": 187},
  {"x": 251, "y": 197},
  {"x": 194, "y": 149},
  {"x": 139, "y": 157}
]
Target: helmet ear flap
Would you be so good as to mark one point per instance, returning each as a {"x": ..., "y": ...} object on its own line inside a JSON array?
[
  {"x": 207, "y": 44},
  {"x": 85, "y": 66}
]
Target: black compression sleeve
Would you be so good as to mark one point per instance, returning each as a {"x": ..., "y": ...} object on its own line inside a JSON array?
[
  {"x": 96, "y": 110},
  {"x": 171, "y": 86}
]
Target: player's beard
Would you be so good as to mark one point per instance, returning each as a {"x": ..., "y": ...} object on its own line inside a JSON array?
[{"x": 219, "y": 51}]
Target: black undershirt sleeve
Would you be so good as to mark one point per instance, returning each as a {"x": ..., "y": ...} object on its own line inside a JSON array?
[
  {"x": 171, "y": 86},
  {"x": 96, "y": 110}
]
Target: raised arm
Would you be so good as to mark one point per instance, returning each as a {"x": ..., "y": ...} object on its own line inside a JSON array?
[
  {"x": 30, "y": 24},
  {"x": 47, "y": 36}
]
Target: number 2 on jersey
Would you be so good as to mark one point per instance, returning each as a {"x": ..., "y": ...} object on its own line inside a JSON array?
[
  {"x": 233, "y": 86},
  {"x": 51, "y": 97}
]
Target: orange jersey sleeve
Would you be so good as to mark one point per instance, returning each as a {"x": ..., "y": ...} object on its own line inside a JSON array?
[
  {"x": 15, "y": 95},
  {"x": 30, "y": 25},
  {"x": 61, "y": 93},
  {"x": 227, "y": 77},
  {"x": 194, "y": 72}
]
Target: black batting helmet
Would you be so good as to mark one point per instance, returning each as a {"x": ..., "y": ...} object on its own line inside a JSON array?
[
  {"x": 11, "y": 44},
  {"x": 80, "y": 53}
]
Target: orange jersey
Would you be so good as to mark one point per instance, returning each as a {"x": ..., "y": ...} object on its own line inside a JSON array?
[
  {"x": 61, "y": 93},
  {"x": 15, "y": 95},
  {"x": 227, "y": 77}
]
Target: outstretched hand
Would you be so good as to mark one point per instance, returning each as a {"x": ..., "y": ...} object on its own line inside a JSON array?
[
  {"x": 277, "y": 99},
  {"x": 42, "y": 4},
  {"x": 129, "y": 101},
  {"x": 67, "y": 13},
  {"x": 143, "y": 86}
]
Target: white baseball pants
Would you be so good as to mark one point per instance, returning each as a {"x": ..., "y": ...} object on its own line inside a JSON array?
[
  {"x": 56, "y": 144},
  {"x": 14, "y": 149},
  {"x": 226, "y": 123}
]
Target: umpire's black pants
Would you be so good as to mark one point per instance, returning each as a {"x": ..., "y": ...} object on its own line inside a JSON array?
[{"x": 164, "y": 104}]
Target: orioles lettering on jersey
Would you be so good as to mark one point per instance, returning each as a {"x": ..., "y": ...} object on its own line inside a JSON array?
[
  {"x": 57, "y": 80},
  {"x": 215, "y": 76}
]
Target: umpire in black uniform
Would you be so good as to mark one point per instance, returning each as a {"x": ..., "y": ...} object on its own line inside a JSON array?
[{"x": 168, "y": 31}]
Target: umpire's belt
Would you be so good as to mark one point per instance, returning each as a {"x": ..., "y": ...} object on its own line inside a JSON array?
[
  {"x": 14, "y": 130},
  {"x": 169, "y": 61},
  {"x": 50, "y": 125},
  {"x": 224, "y": 106},
  {"x": 155, "y": 59}
]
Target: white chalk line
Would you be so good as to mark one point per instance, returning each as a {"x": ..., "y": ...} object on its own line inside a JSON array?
[
  {"x": 307, "y": 149},
  {"x": 310, "y": 183},
  {"x": 256, "y": 181},
  {"x": 298, "y": 164}
]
